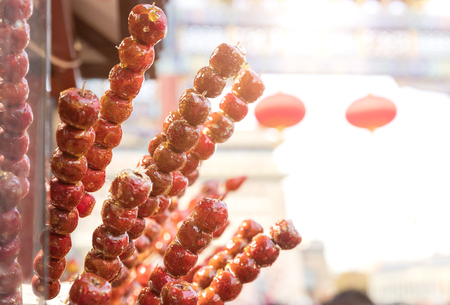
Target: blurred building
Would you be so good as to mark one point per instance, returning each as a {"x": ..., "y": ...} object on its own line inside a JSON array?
[{"x": 419, "y": 283}]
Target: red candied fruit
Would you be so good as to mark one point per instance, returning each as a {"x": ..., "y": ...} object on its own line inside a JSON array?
[
  {"x": 99, "y": 157},
  {"x": 249, "y": 229},
  {"x": 107, "y": 268},
  {"x": 108, "y": 244},
  {"x": 234, "y": 184},
  {"x": 171, "y": 117},
  {"x": 209, "y": 297},
  {"x": 178, "y": 293},
  {"x": 147, "y": 297},
  {"x": 10, "y": 278},
  {"x": 220, "y": 231},
  {"x": 244, "y": 268},
  {"x": 204, "y": 276},
  {"x": 121, "y": 278},
  {"x": 14, "y": 66},
  {"x": 9, "y": 251},
  {"x": 19, "y": 167},
  {"x": 179, "y": 184},
  {"x": 167, "y": 159},
  {"x": 188, "y": 232},
  {"x": 14, "y": 298},
  {"x": 48, "y": 268},
  {"x": 219, "y": 127},
  {"x": 61, "y": 221},
  {"x": 136, "y": 56},
  {"x": 67, "y": 168},
  {"x": 192, "y": 162},
  {"x": 155, "y": 142},
  {"x": 107, "y": 134},
  {"x": 263, "y": 250},
  {"x": 162, "y": 182},
  {"x": 202, "y": 241},
  {"x": 149, "y": 207},
  {"x": 179, "y": 261},
  {"x": 192, "y": 177},
  {"x": 285, "y": 235},
  {"x": 44, "y": 289},
  {"x": 160, "y": 277},
  {"x": 116, "y": 218},
  {"x": 14, "y": 37},
  {"x": 219, "y": 260},
  {"x": 14, "y": 93},
  {"x": 161, "y": 218},
  {"x": 163, "y": 204},
  {"x": 86, "y": 205},
  {"x": 153, "y": 228},
  {"x": 235, "y": 245},
  {"x": 235, "y": 108},
  {"x": 17, "y": 119},
  {"x": 248, "y": 86},
  {"x": 78, "y": 108},
  {"x": 227, "y": 60},
  {"x": 147, "y": 23},
  {"x": 115, "y": 109},
  {"x": 74, "y": 141},
  {"x": 142, "y": 243},
  {"x": 209, "y": 83},
  {"x": 131, "y": 188},
  {"x": 143, "y": 272},
  {"x": 194, "y": 107},
  {"x": 65, "y": 196},
  {"x": 226, "y": 285},
  {"x": 17, "y": 9},
  {"x": 10, "y": 191},
  {"x": 90, "y": 289},
  {"x": 205, "y": 148},
  {"x": 138, "y": 228},
  {"x": 129, "y": 251},
  {"x": 94, "y": 179},
  {"x": 182, "y": 135},
  {"x": 13, "y": 146},
  {"x": 10, "y": 225},
  {"x": 58, "y": 245},
  {"x": 125, "y": 83},
  {"x": 210, "y": 214}
]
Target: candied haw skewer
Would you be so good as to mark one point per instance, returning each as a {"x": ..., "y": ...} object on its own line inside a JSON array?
[
  {"x": 78, "y": 110},
  {"x": 16, "y": 116},
  {"x": 147, "y": 25},
  {"x": 262, "y": 251}
]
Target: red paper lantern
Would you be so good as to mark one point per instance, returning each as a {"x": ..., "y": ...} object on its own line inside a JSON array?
[
  {"x": 279, "y": 111},
  {"x": 371, "y": 112}
]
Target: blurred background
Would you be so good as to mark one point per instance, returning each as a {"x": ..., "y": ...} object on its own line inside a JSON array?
[{"x": 371, "y": 202}]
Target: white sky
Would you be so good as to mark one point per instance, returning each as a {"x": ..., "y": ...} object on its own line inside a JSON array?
[{"x": 369, "y": 197}]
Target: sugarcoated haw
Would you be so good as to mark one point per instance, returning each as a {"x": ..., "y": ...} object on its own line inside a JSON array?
[
  {"x": 210, "y": 214},
  {"x": 89, "y": 289},
  {"x": 209, "y": 83},
  {"x": 78, "y": 108},
  {"x": 226, "y": 285},
  {"x": 115, "y": 109},
  {"x": 125, "y": 83},
  {"x": 74, "y": 141},
  {"x": 61, "y": 221},
  {"x": 248, "y": 86},
  {"x": 67, "y": 168},
  {"x": 219, "y": 127},
  {"x": 136, "y": 56},
  {"x": 178, "y": 260},
  {"x": 263, "y": 250},
  {"x": 147, "y": 23},
  {"x": 116, "y": 218},
  {"x": 285, "y": 235},
  {"x": 14, "y": 93},
  {"x": 131, "y": 188},
  {"x": 244, "y": 268},
  {"x": 235, "y": 108},
  {"x": 178, "y": 293},
  {"x": 227, "y": 60},
  {"x": 108, "y": 244},
  {"x": 194, "y": 107},
  {"x": 106, "y": 268},
  {"x": 209, "y": 297},
  {"x": 204, "y": 149},
  {"x": 65, "y": 196}
]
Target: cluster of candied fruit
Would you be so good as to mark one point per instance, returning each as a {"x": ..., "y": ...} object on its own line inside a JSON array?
[{"x": 15, "y": 117}]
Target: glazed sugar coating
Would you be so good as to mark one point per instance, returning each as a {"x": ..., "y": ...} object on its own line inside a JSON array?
[
  {"x": 179, "y": 184},
  {"x": 167, "y": 159},
  {"x": 209, "y": 83},
  {"x": 160, "y": 277},
  {"x": 235, "y": 108},
  {"x": 99, "y": 157},
  {"x": 47, "y": 290},
  {"x": 16, "y": 119},
  {"x": 219, "y": 260},
  {"x": 78, "y": 108},
  {"x": 249, "y": 229},
  {"x": 14, "y": 93},
  {"x": 10, "y": 191},
  {"x": 188, "y": 232},
  {"x": 10, "y": 251},
  {"x": 204, "y": 149},
  {"x": 19, "y": 167},
  {"x": 219, "y": 127},
  {"x": 244, "y": 268},
  {"x": 10, "y": 278},
  {"x": 90, "y": 289},
  {"x": 116, "y": 218},
  {"x": 125, "y": 83},
  {"x": 209, "y": 297},
  {"x": 162, "y": 182},
  {"x": 226, "y": 285},
  {"x": 86, "y": 205},
  {"x": 149, "y": 207},
  {"x": 67, "y": 168},
  {"x": 191, "y": 161},
  {"x": 201, "y": 243},
  {"x": 248, "y": 86},
  {"x": 136, "y": 56},
  {"x": 14, "y": 37},
  {"x": 131, "y": 188},
  {"x": 107, "y": 134},
  {"x": 138, "y": 228},
  {"x": 10, "y": 225},
  {"x": 58, "y": 245},
  {"x": 129, "y": 251},
  {"x": 171, "y": 117},
  {"x": 13, "y": 146},
  {"x": 115, "y": 109},
  {"x": 14, "y": 66},
  {"x": 65, "y": 196},
  {"x": 263, "y": 250},
  {"x": 155, "y": 142},
  {"x": 74, "y": 141},
  {"x": 147, "y": 23},
  {"x": 182, "y": 136},
  {"x": 210, "y": 214},
  {"x": 103, "y": 267},
  {"x": 204, "y": 276},
  {"x": 285, "y": 235},
  {"x": 94, "y": 179},
  {"x": 109, "y": 245},
  {"x": 17, "y": 9},
  {"x": 227, "y": 60},
  {"x": 50, "y": 268},
  {"x": 179, "y": 261},
  {"x": 147, "y": 297},
  {"x": 61, "y": 221},
  {"x": 194, "y": 107},
  {"x": 235, "y": 245},
  {"x": 178, "y": 293}
]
